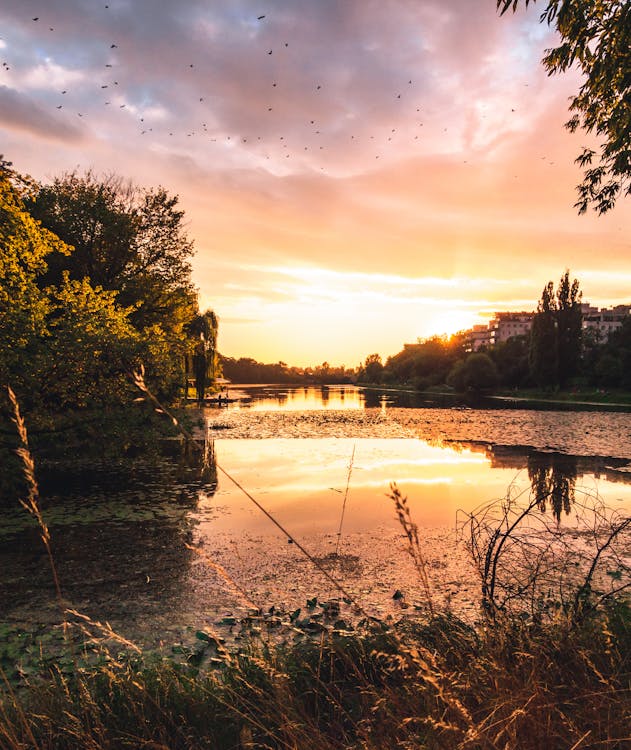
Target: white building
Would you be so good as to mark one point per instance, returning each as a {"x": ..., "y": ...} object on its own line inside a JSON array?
[
  {"x": 601, "y": 323},
  {"x": 479, "y": 338},
  {"x": 506, "y": 325}
]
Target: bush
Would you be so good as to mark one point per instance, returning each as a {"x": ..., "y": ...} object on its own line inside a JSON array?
[{"x": 476, "y": 373}]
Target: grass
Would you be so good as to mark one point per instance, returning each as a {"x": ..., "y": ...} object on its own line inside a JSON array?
[
  {"x": 310, "y": 680},
  {"x": 441, "y": 684}
]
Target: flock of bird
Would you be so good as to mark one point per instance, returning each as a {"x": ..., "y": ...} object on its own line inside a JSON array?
[{"x": 315, "y": 133}]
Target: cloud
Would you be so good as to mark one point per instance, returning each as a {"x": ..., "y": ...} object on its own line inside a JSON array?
[
  {"x": 20, "y": 113},
  {"x": 388, "y": 153}
]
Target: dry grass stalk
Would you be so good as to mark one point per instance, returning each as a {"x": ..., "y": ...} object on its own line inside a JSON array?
[
  {"x": 31, "y": 503},
  {"x": 139, "y": 382},
  {"x": 348, "y": 482},
  {"x": 414, "y": 546}
]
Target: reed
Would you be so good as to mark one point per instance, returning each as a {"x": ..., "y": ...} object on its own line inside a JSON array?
[{"x": 512, "y": 682}]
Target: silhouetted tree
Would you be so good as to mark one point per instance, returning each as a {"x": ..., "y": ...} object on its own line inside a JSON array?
[
  {"x": 569, "y": 328},
  {"x": 511, "y": 359},
  {"x": 372, "y": 369},
  {"x": 543, "y": 350}
]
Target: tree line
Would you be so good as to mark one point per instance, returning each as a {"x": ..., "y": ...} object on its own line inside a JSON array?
[
  {"x": 248, "y": 370},
  {"x": 95, "y": 278},
  {"x": 557, "y": 354}
]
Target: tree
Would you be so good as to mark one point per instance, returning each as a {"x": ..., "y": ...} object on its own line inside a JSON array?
[
  {"x": 596, "y": 39},
  {"x": 204, "y": 360},
  {"x": 125, "y": 238},
  {"x": 511, "y": 359},
  {"x": 556, "y": 334},
  {"x": 132, "y": 241},
  {"x": 91, "y": 349},
  {"x": 25, "y": 247},
  {"x": 543, "y": 350},
  {"x": 69, "y": 343},
  {"x": 569, "y": 327},
  {"x": 476, "y": 373},
  {"x": 373, "y": 368}
]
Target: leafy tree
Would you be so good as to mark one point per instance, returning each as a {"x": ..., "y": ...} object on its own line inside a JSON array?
[
  {"x": 569, "y": 327},
  {"x": 125, "y": 238},
  {"x": 476, "y": 373},
  {"x": 372, "y": 369},
  {"x": 91, "y": 349},
  {"x": 132, "y": 241},
  {"x": 426, "y": 363},
  {"x": 556, "y": 334},
  {"x": 596, "y": 39},
  {"x": 65, "y": 344},
  {"x": 612, "y": 364},
  {"x": 25, "y": 247},
  {"x": 511, "y": 359},
  {"x": 543, "y": 350}
]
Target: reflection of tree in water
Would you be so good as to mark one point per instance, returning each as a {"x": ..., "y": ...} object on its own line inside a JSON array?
[
  {"x": 553, "y": 481},
  {"x": 198, "y": 463},
  {"x": 372, "y": 399}
]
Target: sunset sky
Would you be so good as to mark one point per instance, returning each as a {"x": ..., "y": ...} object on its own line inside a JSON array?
[{"x": 355, "y": 173}]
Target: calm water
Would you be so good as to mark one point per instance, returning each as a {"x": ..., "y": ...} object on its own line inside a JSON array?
[{"x": 174, "y": 542}]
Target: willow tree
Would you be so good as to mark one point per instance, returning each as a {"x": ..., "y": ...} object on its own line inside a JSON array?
[
  {"x": 595, "y": 39},
  {"x": 203, "y": 361}
]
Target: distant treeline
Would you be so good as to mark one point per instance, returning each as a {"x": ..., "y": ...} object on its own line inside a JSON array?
[
  {"x": 557, "y": 354},
  {"x": 247, "y": 370}
]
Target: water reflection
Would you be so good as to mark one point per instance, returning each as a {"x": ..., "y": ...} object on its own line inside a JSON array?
[
  {"x": 121, "y": 535},
  {"x": 302, "y": 481},
  {"x": 553, "y": 476},
  {"x": 553, "y": 480},
  {"x": 293, "y": 398}
]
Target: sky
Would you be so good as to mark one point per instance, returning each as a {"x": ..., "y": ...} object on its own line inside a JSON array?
[{"x": 355, "y": 174}]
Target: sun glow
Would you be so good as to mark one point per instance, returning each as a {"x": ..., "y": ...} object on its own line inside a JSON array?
[{"x": 340, "y": 316}]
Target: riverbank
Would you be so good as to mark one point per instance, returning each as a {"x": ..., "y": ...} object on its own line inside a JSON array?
[{"x": 324, "y": 685}]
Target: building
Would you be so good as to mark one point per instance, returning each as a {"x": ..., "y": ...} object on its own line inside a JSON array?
[
  {"x": 601, "y": 323},
  {"x": 506, "y": 325},
  {"x": 479, "y": 338}
]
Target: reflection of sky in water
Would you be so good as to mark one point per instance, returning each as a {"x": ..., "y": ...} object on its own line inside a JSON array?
[
  {"x": 303, "y": 483},
  {"x": 297, "y": 399}
]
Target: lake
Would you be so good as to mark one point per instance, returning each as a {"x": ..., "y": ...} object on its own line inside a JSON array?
[{"x": 163, "y": 544}]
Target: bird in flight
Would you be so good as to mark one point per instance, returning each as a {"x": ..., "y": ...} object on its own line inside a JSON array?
[{"x": 260, "y": 18}]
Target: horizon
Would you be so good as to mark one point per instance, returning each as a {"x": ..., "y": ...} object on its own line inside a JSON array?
[{"x": 355, "y": 176}]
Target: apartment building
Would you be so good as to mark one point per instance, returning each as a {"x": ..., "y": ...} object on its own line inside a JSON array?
[{"x": 601, "y": 323}]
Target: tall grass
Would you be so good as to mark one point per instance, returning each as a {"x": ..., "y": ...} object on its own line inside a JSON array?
[{"x": 512, "y": 682}]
